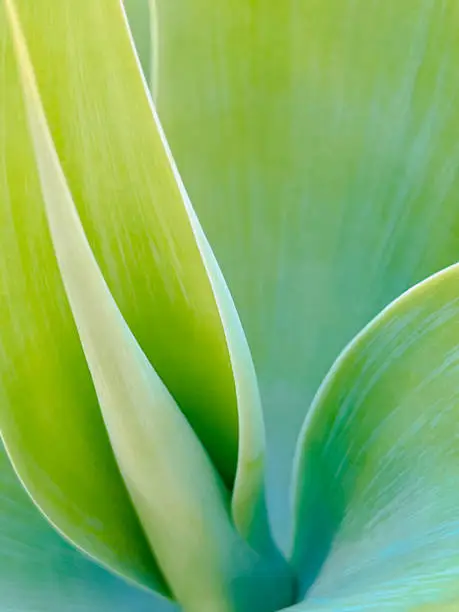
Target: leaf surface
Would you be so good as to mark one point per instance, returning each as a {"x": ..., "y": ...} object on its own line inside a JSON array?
[
  {"x": 136, "y": 215},
  {"x": 39, "y": 571},
  {"x": 142, "y": 230},
  {"x": 49, "y": 415},
  {"x": 138, "y": 14},
  {"x": 376, "y": 502},
  {"x": 177, "y": 494},
  {"x": 318, "y": 143}
]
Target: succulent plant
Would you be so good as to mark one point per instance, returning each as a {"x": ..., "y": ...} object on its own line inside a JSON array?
[{"x": 218, "y": 217}]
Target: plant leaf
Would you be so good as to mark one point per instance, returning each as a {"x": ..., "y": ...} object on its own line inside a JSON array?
[
  {"x": 318, "y": 144},
  {"x": 120, "y": 173},
  {"x": 49, "y": 416},
  {"x": 376, "y": 496},
  {"x": 120, "y": 177},
  {"x": 39, "y": 571},
  {"x": 177, "y": 494},
  {"x": 138, "y": 14},
  {"x": 152, "y": 261}
]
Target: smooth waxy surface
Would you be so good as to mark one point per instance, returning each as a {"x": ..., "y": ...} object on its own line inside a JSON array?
[
  {"x": 318, "y": 141},
  {"x": 376, "y": 497},
  {"x": 175, "y": 490},
  {"x": 39, "y": 571},
  {"x": 134, "y": 212},
  {"x": 49, "y": 416},
  {"x": 164, "y": 280}
]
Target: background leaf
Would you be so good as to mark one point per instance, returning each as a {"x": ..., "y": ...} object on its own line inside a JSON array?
[
  {"x": 318, "y": 142},
  {"x": 138, "y": 14},
  {"x": 376, "y": 495}
]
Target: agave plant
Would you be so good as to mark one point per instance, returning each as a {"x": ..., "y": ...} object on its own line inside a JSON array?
[{"x": 146, "y": 341}]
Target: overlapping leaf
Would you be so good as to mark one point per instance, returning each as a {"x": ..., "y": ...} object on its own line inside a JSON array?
[
  {"x": 157, "y": 264},
  {"x": 175, "y": 489},
  {"x": 146, "y": 249},
  {"x": 49, "y": 416},
  {"x": 39, "y": 571}
]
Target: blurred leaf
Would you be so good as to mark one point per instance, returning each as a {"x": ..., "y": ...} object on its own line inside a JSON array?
[
  {"x": 451, "y": 607},
  {"x": 318, "y": 142},
  {"x": 40, "y": 572},
  {"x": 138, "y": 14},
  {"x": 376, "y": 495}
]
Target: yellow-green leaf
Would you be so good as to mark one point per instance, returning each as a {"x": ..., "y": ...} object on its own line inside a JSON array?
[
  {"x": 49, "y": 416},
  {"x": 146, "y": 249},
  {"x": 157, "y": 265},
  {"x": 176, "y": 492}
]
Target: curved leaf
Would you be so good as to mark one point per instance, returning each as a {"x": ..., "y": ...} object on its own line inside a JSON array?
[
  {"x": 376, "y": 496},
  {"x": 177, "y": 494},
  {"x": 49, "y": 416},
  {"x": 318, "y": 142},
  {"x": 131, "y": 205},
  {"x": 39, "y": 571}
]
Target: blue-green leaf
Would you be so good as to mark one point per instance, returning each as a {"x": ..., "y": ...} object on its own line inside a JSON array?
[
  {"x": 40, "y": 572},
  {"x": 376, "y": 496}
]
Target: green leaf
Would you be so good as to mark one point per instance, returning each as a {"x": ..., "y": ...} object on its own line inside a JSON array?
[
  {"x": 376, "y": 496},
  {"x": 318, "y": 142},
  {"x": 140, "y": 23},
  {"x": 39, "y": 571},
  {"x": 161, "y": 271},
  {"x": 176, "y": 492},
  {"x": 49, "y": 416},
  {"x": 137, "y": 218}
]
